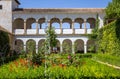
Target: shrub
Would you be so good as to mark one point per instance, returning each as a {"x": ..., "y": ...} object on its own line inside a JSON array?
[
  {"x": 4, "y": 43},
  {"x": 109, "y": 38},
  {"x": 37, "y": 58}
]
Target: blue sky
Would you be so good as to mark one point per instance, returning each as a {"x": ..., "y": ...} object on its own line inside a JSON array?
[{"x": 64, "y": 3}]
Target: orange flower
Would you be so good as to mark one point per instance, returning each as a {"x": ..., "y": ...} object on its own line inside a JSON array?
[
  {"x": 16, "y": 63},
  {"x": 62, "y": 65}
]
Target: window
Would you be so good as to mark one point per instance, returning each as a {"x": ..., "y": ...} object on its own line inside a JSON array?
[{"x": 0, "y": 6}]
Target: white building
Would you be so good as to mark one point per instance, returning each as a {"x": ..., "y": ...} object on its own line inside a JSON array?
[{"x": 71, "y": 24}]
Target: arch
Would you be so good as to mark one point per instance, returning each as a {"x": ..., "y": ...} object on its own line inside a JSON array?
[
  {"x": 19, "y": 45},
  {"x": 79, "y": 46},
  {"x": 78, "y": 23},
  {"x": 31, "y": 46},
  {"x": 67, "y": 46},
  {"x": 42, "y": 23},
  {"x": 91, "y": 46},
  {"x": 18, "y": 24},
  {"x": 92, "y": 22},
  {"x": 66, "y": 23},
  {"x": 55, "y": 20},
  {"x": 41, "y": 45},
  {"x": 29, "y": 23}
]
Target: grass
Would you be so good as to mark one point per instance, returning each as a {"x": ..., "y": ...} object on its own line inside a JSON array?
[{"x": 114, "y": 60}]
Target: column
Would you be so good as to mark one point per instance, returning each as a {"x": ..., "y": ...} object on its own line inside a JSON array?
[
  {"x": 61, "y": 26},
  {"x": 48, "y": 23},
  {"x": 37, "y": 30},
  {"x": 85, "y": 48},
  {"x": 85, "y": 26},
  {"x": 24, "y": 47},
  {"x": 80, "y": 25},
  {"x": 25, "y": 27},
  {"x": 73, "y": 27},
  {"x": 61, "y": 48},
  {"x": 36, "y": 48},
  {"x": 40, "y": 26},
  {"x": 73, "y": 50}
]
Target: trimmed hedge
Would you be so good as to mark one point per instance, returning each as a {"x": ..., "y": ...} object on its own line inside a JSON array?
[
  {"x": 109, "y": 38},
  {"x": 4, "y": 43}
]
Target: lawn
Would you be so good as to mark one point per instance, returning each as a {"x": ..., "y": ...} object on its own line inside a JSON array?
[{"x": 57, "y": 66}]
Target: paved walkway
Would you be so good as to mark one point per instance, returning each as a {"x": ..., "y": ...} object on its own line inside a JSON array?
[{"x": 116, "y": 67}]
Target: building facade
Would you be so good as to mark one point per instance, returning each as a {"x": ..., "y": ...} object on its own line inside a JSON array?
[{"x": 71, "y": 25}]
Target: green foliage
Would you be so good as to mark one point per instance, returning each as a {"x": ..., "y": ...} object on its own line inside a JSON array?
[
  {"x": 109, "y": 38},
  {"x": 67, "y": 47},
  {"x": 37, "y": 58},
  {"x": 31, "y": 46},
  {"x": 114, "y": 60},
  {"x": 89, "y": 69},
  {"x": 94, "y": 34},
  {"x": 113, "y": 9},
  {"x": 42, "y": 49},
  {"x": 51, "y": 38},
  {"x": 4, "y": 42}
]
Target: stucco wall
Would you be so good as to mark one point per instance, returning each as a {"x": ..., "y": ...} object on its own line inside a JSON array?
[{"x": 6, "y": 15}]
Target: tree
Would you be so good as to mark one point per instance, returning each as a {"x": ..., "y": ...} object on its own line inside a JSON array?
[
  {"x": 51, "y": 38},
  {"x": 113, "y": 9}
]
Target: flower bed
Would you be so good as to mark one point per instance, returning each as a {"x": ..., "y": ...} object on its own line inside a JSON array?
[{"x": 57, "y": 69}]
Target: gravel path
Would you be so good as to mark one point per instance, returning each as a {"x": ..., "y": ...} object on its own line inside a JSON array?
[{"x": 116, "y": 67}]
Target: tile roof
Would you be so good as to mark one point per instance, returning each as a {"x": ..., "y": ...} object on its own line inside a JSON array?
[{"x": 59, "y": 10}]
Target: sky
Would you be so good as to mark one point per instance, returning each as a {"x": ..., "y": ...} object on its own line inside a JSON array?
[{"x": 64, "y": 3}]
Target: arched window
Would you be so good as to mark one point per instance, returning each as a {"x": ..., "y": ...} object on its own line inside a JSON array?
[
  {"x": 92, "y": 22},
  {"x": 43, "y": 25},
  {"x": 55, "y": 22},
  {"x": 31, "y": 23},
  {"x": 76, "y": 25},
  {"x": 18, "y": 23},
  {"x": 33, "y": 26},
  {"x": 66, "y": 25},
  {"x": 88, "y": 25},
  {"x": 56, "y": 25}
]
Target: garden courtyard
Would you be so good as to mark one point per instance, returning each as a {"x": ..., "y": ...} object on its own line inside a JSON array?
[{"x": 51, "y": 60}]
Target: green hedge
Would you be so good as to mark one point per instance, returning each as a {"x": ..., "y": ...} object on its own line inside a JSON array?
[
  {"x": 109, "y": 38},
  {"x": 4, "y": 42}
]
